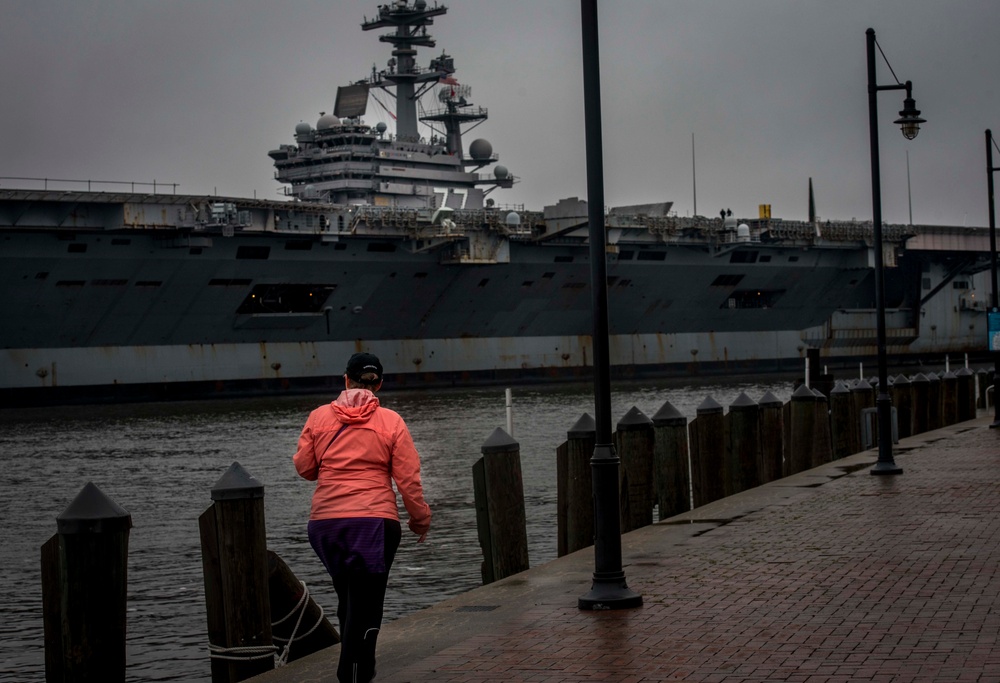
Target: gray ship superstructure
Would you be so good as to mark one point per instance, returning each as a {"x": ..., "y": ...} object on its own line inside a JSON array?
[{"x": 390, "y": 243}]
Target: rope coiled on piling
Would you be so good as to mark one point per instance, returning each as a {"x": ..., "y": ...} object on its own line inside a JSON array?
[
  {"x": 255, "y": 652},
  {"x": 303, "y": 603}
]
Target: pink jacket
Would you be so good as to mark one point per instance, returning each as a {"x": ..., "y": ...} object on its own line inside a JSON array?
[{"x": 349, "y": 448}]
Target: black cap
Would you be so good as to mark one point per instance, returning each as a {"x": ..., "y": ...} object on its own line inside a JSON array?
[{"x": 362, "y": 363}]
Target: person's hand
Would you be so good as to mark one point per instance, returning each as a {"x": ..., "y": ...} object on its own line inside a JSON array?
[{"x": 422, "y": 537}]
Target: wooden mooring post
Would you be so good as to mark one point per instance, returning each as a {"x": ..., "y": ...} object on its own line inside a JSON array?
[
  {"x": 298, "y": 623},
  {"x": 740, "y": 468},
  {"x": 707, "y": 439},
  {"x": 500, "y": 515},
  {"x": 574, "y": 487},
  {"x": 935, "y": 417},
  {"x": 966, "y": 394},
  {"x": 634, "y": 436},
  {"x": 841, "y": 418},
  {"x": 902, "y": 400},
  {"x": 84, "y": 580},
  {"x": 234, "y": 562},
  {"x": 920, "y": 389},
  {"x": 772, "y": 437},
  {"x": 949, "y": 398},
  {"x": 671, "y": 468},
  {"x": 802, "y": 416},
  {"x": 822, "y": 440}
]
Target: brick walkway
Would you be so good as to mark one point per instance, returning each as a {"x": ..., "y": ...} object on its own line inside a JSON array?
[{"x": 826, "y": 576}]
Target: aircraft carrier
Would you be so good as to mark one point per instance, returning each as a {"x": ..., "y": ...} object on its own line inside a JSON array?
[{"x": 391, "y": 242}]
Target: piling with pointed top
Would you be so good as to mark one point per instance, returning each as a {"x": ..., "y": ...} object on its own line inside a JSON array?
[
  {"x": 949, "y": 398},
  {"x": 841, "y": 417},
  {"x": 575, "y": 488},
  {"x": 634, "y": 437},
  {"x": 500, "y": 516},
  {"x": 671, "y": 474},
  {"x": 902, "y": 400},
  {"x": 707, "y": 438},
  {"x": 84, "y": 586},
  {"x": 822, "y": 439},
  {"x": 966, "y": 394},
  {"x": 935, "y": 418},
  {"x": 862, "y": 397},
  {"x": 802, "y": 417},
  {"x": 235, "y": 569},
  {"x": 740, "y": 468},
  {"x": 920, "y": 390},
  {"x": 772, "y": 438}
]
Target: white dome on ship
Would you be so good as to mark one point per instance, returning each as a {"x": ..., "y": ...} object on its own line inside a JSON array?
[
  {"x": 327, "y": 121},
  {"x": 500, "y": 172},
  {"x": 480, "y": 149},
  {"x": 301, "y": 128}
]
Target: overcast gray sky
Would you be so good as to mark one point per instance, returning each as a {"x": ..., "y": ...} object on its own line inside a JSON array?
[{"x": 196, "y": 92}]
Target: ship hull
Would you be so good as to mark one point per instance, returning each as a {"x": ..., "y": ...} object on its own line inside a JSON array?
[{"x": 132, "y": 314}]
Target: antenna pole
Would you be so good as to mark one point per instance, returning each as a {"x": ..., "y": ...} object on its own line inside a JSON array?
[{"x": 694, "y": 178}]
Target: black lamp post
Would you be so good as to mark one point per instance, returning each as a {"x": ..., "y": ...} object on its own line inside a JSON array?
[
  {"x": 909, "y": 120},
  {"x": 990, "y": 168},
  {"x": 608, "y": 589}
]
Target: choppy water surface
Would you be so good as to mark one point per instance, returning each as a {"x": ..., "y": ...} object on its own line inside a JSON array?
[{"x": 160, "y": 461}]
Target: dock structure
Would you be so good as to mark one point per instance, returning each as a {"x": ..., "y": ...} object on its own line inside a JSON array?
[{"x": 828, "y": 572}]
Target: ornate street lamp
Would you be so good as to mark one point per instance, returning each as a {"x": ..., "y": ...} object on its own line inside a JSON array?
[
  {"x": 909, "y": 120},
  {"x": 609, "y": 589}
]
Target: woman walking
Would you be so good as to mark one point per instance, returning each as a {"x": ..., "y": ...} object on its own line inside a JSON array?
[{"x": 354, "y": 449}]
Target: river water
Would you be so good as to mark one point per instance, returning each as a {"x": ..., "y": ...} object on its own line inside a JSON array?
[{"x": 160, "y": 461}]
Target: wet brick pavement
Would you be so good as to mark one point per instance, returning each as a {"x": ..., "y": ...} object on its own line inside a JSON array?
[{"x": 831, "y": 575}]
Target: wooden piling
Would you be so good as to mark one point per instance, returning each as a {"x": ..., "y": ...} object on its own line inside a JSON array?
[
  {"x": 802, "y": 417},
  {"x": 740, "y": 468},
  {"x": 671, "y": 474},
  {"x": 949, "y": 398},
  {"x": 902, "y": 400},
  {"x": 708, "y": 446},
  {"x": 935, "y": 418},
  {"x": 822, "y": 440},
  {"x": 634, "y": 437},
  {"x": 234, "y": 564},
  {"x": 772, "y": 438},
  {"x": 84, "y": 586},
  {"x": 500, "y": 516},
  {"x": 575, "y": 488},
  {"x": 966, "y": 394},
  {"x": 862, "y": 396},
  {"x": 920, "y": 389},
  {"x": 295, "y": 616},
  {"x": 841, "y": 416}
]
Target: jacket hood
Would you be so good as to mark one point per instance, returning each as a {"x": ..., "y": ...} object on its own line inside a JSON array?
[{"x": 355, "y": 405}]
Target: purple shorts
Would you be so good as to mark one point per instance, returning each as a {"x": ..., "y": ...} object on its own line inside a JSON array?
[{"x": 355, "y": 544}]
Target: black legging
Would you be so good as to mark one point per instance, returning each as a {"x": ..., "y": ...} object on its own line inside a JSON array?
[{"x": 360, "y": 597}]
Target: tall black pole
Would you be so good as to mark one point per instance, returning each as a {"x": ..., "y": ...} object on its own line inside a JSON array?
[
  {"x": 609, "y": 589},
  {"x": 883, "y": 404},
  {"x": 993, "y": 270}
]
